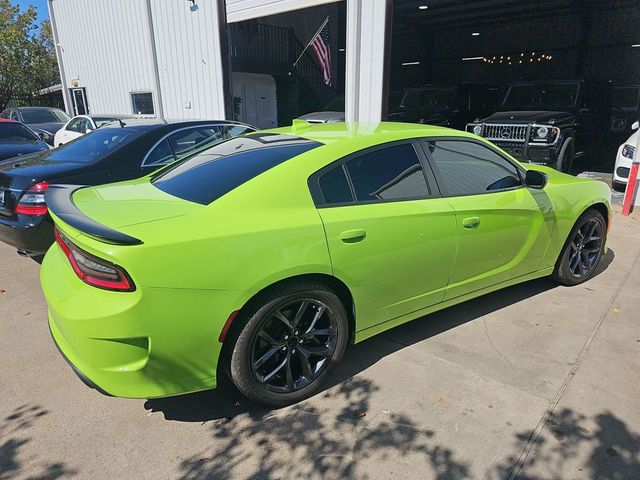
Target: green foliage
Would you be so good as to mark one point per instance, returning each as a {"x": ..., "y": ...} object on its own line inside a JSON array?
[{"x": 27, "y": 53}]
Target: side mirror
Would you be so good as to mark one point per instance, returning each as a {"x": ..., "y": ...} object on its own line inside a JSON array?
[
  {"x": 88, "y": 130},
  {"x": 43, "y": 136},
  {"x": 536, "y": 179},
  {"x": 636, "y": 125}
]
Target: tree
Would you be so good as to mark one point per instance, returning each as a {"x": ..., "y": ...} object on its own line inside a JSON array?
[{"x": 27, "y": 53}]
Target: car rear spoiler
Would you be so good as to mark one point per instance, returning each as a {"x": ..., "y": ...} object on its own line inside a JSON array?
[{"x": 59, "y": 201}]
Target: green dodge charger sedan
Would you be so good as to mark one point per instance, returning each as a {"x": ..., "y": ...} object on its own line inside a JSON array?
[{"x": 261, "y": 257}]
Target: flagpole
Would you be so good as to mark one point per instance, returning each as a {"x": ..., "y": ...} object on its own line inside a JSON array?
[{"x": 311, "y": 41}]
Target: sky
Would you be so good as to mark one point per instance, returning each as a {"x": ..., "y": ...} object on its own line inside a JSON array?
[{"x": 41, "y": 5}]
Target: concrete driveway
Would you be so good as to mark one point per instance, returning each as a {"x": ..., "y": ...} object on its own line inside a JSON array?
[{"x": 533, "y": 382}]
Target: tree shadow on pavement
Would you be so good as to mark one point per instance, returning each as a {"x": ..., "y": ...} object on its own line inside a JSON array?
[
  {"x": 12, "y": 437},
  {"x": 330, "y": 441},
  {"x": 572, "y": 445}
]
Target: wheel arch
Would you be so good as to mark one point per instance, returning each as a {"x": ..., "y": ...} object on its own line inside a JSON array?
[
  {"x": 600, "y": 207},
  {"x": 335, "y": 284}
]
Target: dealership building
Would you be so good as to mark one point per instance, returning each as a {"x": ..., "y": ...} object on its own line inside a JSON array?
[{"x": 447, "y": 62}]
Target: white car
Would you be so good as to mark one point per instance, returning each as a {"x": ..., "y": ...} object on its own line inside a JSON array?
[
  {"x": 323, "y": 117},
  {"x": 623, "y": 162},
  {"x": 83, "y": 124}
]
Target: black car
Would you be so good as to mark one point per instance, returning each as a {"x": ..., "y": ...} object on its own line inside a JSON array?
[
  {"x": 16, "y": 139},
  {"x": 625, "y": 110},
  {"x": 45, "y": 121},
  {"x": 447, "y": 105},
  {"x": 549, "y": 122},
  {"x": 119, "y": 151}
]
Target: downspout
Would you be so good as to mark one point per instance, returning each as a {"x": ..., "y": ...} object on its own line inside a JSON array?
[
  {"x": 154, "y": 56},
  {"x": 224, "y": 56},
  {"x": 68, "y": 104}
]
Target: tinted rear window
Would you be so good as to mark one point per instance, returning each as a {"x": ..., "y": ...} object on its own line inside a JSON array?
[
  {"x": 94, "y": 146},
  {"x": 44, "y": 116},
  {"x": 216, "y": 171},
  {"x": 15, "y": 132}
]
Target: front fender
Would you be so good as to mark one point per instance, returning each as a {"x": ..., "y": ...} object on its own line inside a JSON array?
[{"x": 570, "y": 197}]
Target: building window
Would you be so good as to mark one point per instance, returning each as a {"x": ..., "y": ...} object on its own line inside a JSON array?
[{"x": 142, "y": 103}]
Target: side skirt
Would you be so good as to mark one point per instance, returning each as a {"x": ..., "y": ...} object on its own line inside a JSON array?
[{"x": 381, "y": 327}]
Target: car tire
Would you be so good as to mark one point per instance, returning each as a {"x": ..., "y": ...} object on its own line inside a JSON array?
[
  {"x": 583, "y": 249},
  {"x": 566, "y": 156},
  {"x": 276, "y": 358},
  {"x": 618, "y": 186}
]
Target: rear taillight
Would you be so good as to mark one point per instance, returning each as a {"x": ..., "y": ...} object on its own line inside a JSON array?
[
  {"x": 93, "y": 270},
  {"x": 32, "y": 202}
]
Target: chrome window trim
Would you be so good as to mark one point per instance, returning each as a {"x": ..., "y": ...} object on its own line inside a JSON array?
[{"x": 162, "y": 139}]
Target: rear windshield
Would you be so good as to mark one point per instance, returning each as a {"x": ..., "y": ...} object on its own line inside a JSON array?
[
  {"x": 15, "y": 132},
  {"x": 216, "y": 171},
  {"x": 94, "y": 146},
  {"x": 100, "y": 121}
]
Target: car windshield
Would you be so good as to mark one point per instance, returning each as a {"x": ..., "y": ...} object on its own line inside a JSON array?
[
  {"x": 217, "y": 170},
  {"x": 100, "y": 121},
  {"x": 542, "y": 96},
  {"x": 625, "y": 97},
  {"x": 15, "y": 132},
  {"x": 432, "y": 100},
  {"x": 52, "y": 115},
  {"x": 94, "y": 146}
]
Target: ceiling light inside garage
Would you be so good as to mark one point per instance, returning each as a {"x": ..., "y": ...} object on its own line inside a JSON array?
[
  {"x": 410, "y": 63},
  {"x": 635, "y": 45},
  {"x": 423, "y": 7},
  {"x": 475, "y": 34},
  {"x": 472, "y": 58}
]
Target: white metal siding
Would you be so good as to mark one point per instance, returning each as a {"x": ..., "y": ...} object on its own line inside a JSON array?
[
  {"x": 189, "y": 60},
  {"x": 240, "y": 10},
  {"x": 105, "y": 46}
]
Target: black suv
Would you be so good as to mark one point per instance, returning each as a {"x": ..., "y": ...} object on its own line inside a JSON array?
[
  {"x": 547, "y": 122},
  {"x": 625, "y": 109},
  {"x": 446, "y": 105}
]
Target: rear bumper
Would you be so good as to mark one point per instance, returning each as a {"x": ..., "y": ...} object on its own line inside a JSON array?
[
  {"x": 80, "y": 375},
  {"x": 154, "y": 342},
  {"x": 29, "y": 233}
]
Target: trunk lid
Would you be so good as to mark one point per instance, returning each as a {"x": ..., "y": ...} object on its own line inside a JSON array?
[
  {"x": 14, "y": 149},
  {"x": 18, "y": 174},
  {"x": 129, "y": 203}
]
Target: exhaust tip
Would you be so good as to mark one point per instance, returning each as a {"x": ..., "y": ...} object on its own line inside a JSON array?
[{"x": 26, "y": 253}]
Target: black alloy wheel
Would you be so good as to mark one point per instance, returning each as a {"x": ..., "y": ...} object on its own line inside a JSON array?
[
  {"x": 583, "y": 250},
  {"x": 290, "y": 344},
  {"x": 294, "y": 345}
]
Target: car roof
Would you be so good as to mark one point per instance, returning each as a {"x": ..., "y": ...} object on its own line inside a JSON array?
[
  {"x": 24, "y": 109},
  {"x": 366, "y": 133},
  {"x": 107, "y": 115},
  {"x": 148, "y": 124}
]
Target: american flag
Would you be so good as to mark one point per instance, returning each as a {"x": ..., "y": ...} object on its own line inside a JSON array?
[{"x": 320, "y": 44}]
